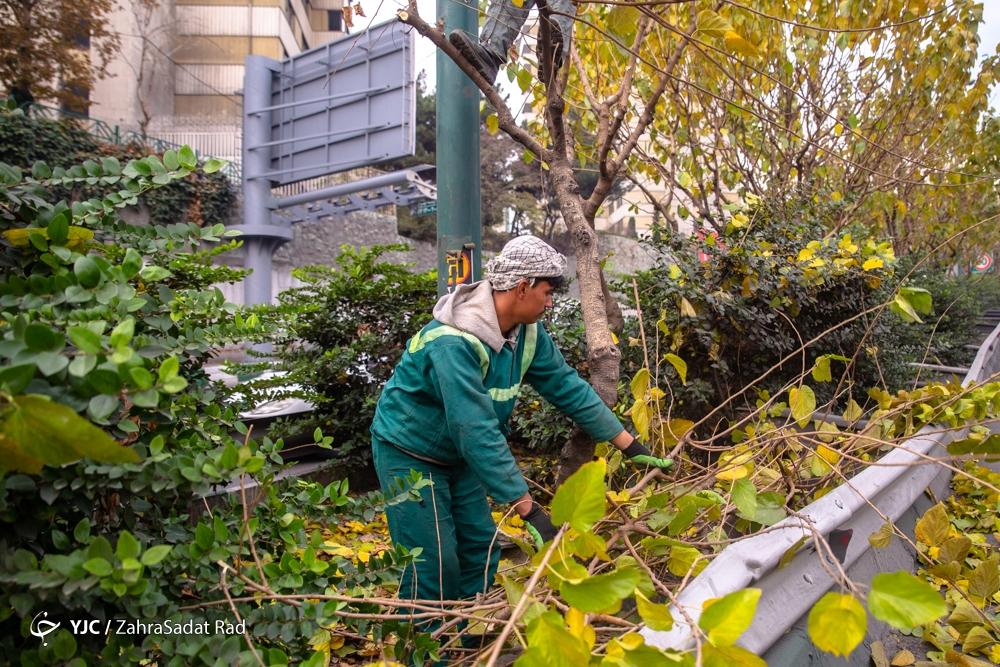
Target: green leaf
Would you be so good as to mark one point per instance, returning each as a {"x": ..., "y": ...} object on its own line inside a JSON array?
[
  {"x": 85, "y": 339},
  {"x": 551, "y": 644},
  {"x": 679, "y": 365},
  {"x": 101, "y": 406},
  {"x": 111, "y": 166},
  {"x": 88, "y": 274},
  {"x": 683, "y": 558},
  {"x": 127, "y": 547},
  {"x": 123, "y": 332},
  {"x": 54, "y": 434},
  {"x": 174, "y": 385},
  {"x": 98, "y": 567},
  {"x": 904, "y": 601},
  {"x": 40, "y": 338},
  {"x": 148, "y": 398},
  {"x": 58, "y": 230},
  {"x": 15, "y": 378},
  {"x": 213, "y": 165},
  {"x": 40, "y": 171},
  {"x": 143, "y": 379},
  {"x": 64, "y": 645},
  {"x": 168, "y": 369},
  {"x": 744, "y": 496},
  {"x": 153, "y": 273},
  {"x": 837, "y": 624},
  {"x": 802, "y": 402},
  {"x": 82, "y": 531},
  {"x": 580, "y": 500},
  {"x": 601, "y": 593},
  {"x": 131, "y": 263},
  {"x": 770, "y": 508},
  {"x": 170, "y": 160},
  {"x": 154, "y": 555},
  {"x": 729, "y": 617},
  {"x": 50, "y": 363},
  {"x": 821, "y": 371},
  {"x": 655, "y": 616},
  {"x": 919, "y": 298},
  {"x": 82, "y": 364},
  {"x": 204, "y": 536},
  {"x": 902, "y": 307},
  {"x": 187, "y": 157}
]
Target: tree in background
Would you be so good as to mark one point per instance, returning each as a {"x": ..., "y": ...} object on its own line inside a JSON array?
[
  {"x": 55, "y": 49},
  {"x": 878, "y": 107}
]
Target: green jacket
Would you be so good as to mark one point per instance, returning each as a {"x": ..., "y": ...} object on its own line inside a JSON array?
[{"x": 450, "y": 399}]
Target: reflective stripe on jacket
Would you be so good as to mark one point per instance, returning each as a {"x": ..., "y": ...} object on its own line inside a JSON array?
[{"x": 451, "y": 396}]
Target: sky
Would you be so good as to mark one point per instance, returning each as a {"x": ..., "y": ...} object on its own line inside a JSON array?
[{"x": 989, "y": 33}]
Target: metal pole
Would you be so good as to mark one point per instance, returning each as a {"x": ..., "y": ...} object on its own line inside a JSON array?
[
  {"x": 260, "y": 236},
  {"x": 458, "y": 219}
]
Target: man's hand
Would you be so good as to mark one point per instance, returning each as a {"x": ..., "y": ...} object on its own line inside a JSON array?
[
  {"x": 637, "y": 454},
  {"x": 539, "y": 525}
]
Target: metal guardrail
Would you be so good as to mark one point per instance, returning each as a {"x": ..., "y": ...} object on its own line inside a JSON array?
[
  {"x": 114, "y": 134},
  {"x": 894, "y": 488}
]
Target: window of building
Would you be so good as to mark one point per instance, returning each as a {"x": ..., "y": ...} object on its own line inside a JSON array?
[{"x": 335, "y": 20}]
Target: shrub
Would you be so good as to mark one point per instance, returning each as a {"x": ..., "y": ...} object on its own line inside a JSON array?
[
  {"x": 344, "y": 331},
  {"x": 104, "y": 326},
  {"x": 772, "y": 282},
  {"x": 198, "y": 197}
]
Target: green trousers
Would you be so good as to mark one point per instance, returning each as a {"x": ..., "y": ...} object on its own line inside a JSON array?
[{"x": 451, "y": 523}]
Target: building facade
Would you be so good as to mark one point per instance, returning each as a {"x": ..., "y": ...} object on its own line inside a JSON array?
[{"x": 179, "y": 75}]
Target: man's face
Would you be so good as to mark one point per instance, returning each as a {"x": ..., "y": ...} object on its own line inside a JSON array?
[{"x": 536, "y": 299}]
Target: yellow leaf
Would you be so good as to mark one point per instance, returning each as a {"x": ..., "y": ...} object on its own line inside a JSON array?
[
  {"x": 838, "y": 129},
  {"x": 737, "y": 44},
  {"x": 675, "y": 272},
  {"x": 806, "y": 254},
  {"x": 619, "y": 496},
  {"x": 492, "y": 123},
  {"x": 831, "y": 456},
  {"x": 614, "y": 337},
  {"x": 872, "y": 263},
  {"x": 732, "y": 474},
  {"x": 518, "y": 3},
  {"x": 900, "y": 208},
  {"x": 740, "y": 220},
  {"x": 687, "y": 309},
  {"x": 836, "y": 196}
]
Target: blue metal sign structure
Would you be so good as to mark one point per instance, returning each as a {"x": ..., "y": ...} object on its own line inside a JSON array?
[{"x": 346, "y": 104}]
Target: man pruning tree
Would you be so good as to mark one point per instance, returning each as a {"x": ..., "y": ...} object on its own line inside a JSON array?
[{"x": 444, "y": 413}]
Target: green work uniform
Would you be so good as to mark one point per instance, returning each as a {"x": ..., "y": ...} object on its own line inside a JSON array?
[{"x": 444, "y": 412}]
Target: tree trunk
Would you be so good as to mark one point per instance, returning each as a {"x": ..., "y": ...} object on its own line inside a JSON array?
[{"x": 603, "y": 356}]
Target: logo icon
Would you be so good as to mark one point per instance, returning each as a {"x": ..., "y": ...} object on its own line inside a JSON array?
[{"x": 41, "y": 628}]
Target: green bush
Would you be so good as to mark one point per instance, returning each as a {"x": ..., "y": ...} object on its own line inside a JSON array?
[
  {"x": 773, "y": 281},
  {"x": 344, "y": 331},
  {"x": 104, "y": 327},
  {"x": 199, "y": 197}
]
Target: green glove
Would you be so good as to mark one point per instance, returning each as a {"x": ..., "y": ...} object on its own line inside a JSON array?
[
  {"x": 539, "y": 525},
  {"x": 639, "y": 455}
]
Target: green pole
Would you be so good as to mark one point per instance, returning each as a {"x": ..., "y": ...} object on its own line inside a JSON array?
[{"x": 459, "y": 229}]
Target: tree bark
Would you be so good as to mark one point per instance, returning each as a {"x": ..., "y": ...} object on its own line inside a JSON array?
[{"x": 603, "y": 356}]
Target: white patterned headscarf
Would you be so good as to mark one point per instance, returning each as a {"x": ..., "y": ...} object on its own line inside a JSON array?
[{"x": 524, "y": 257}]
